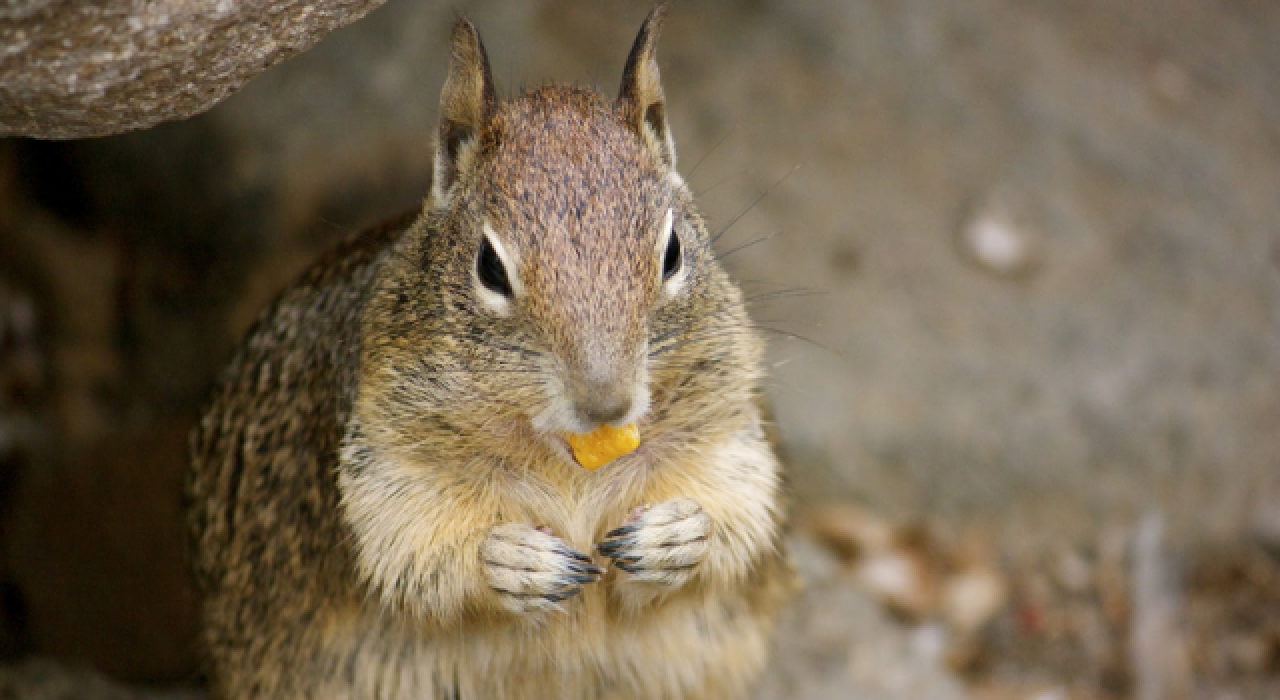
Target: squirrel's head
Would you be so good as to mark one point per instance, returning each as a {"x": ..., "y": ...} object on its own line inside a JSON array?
[{"x": 560, "y": 278}]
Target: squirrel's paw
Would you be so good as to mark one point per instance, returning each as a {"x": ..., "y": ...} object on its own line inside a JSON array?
[
  {"x": 662, "y": 544},
  {"x": 532, "y": 570}
]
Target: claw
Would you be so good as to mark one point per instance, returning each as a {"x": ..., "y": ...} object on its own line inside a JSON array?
[
  {"x": 586, "y": 569},
  {"x": 626, "y": 567},
  {"x": 556, "y": 598},
  {"x": 620, "y": 531},
  {"x": 613, "y": 547},
  {"x": 574, "y": 555}
]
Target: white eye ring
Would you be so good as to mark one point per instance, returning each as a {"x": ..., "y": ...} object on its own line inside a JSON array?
[
  {"x": 674, "y": 281},
  {"x": 495, "y": 301}
]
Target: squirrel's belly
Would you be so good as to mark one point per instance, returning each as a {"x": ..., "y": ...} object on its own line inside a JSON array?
[{"x": 692, "y": 648}]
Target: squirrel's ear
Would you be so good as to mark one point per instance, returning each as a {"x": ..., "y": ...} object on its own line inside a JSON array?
[
  {"x": 641, "y": 96},
  {"x": 466, "y": 101}
]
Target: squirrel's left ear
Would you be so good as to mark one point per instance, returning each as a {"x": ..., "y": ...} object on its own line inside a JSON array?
[
  {"x": 641, "y": 96},
  {"x": 466, "y": 102}
]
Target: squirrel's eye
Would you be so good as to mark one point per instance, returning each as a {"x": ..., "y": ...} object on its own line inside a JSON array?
[
  {"x": 490, "y": 270},
  {"x": 672, "y": 258}
]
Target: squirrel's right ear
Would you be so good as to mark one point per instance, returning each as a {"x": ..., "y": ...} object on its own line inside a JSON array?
[
  {"x": 466, "y": 101},
  {"x": 641, "y": 98}
]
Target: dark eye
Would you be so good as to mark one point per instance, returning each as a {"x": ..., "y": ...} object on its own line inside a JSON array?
[
  {"x": 672, "y": 258},
  {"x": 490, "y": 270}
]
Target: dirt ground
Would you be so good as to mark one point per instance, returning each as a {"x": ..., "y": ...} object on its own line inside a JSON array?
[{"x": 1019, "y": 260}]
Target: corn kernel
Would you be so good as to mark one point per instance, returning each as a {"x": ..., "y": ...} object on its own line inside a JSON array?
[{"x": 603, "y": 445}]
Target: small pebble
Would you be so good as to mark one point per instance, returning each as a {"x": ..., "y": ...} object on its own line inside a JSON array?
[
  {"x": 997, "y": 241},
  {"x": 971, "y": 598}
]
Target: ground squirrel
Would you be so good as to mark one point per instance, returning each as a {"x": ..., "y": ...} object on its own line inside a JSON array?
[{"x": 382, "y": 504}]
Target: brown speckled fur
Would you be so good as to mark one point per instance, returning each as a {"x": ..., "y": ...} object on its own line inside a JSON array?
[{"x": 370, "y": 474}]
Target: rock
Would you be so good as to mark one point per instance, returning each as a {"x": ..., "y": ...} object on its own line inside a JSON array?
[
  {"x": 972, "y": 597},
  {"x": 848, "y": 531},
  {"x": 911, "y": 570},
  {"x": 892, "y": 563},
  {"x": 78, "y": 69},
  {"x": 902, "y": 579}
]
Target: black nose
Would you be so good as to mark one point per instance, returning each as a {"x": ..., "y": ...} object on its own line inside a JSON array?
[{"x": 600, "y": 403}]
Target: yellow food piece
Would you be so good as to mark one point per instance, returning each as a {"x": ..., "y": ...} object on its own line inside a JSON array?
[{"x": 603, "y": 445}]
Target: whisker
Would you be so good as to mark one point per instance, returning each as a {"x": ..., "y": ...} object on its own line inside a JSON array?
[
  {"x": 719, "y": 142},
  {"x": 759, "y": 198},
  {"x": 748, "y": 244},
  {"x": 721, "y": 332},
  {"x": 728, "y": 178},
  {"x": 795, "y": 336},
  {"x": 777, "y": 295}
]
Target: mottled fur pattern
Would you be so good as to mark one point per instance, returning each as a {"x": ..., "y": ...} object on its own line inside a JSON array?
[{"x": 382, "y": 504}]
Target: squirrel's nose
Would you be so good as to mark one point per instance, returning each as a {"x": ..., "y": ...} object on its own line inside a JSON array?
[{"x": 599, "y": 402}]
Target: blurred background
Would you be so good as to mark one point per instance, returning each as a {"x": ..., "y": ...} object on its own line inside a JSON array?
[{"x": 1019, "y": 259}]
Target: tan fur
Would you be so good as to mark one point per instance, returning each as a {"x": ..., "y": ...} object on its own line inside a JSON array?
[{"x": 382, "y": 504}]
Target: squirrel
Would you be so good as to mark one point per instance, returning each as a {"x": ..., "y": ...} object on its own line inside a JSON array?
[{"x": 381, "y": 502}]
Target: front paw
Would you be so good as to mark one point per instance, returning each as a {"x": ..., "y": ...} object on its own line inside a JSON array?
[
  {"x": 662, "y": 544},
  {"x": 532, "y": 570}
]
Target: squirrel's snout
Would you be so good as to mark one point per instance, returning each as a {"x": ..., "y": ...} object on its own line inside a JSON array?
[
  {"x": 605, "y": 385},
  {"x": 597, "y": 403}
]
